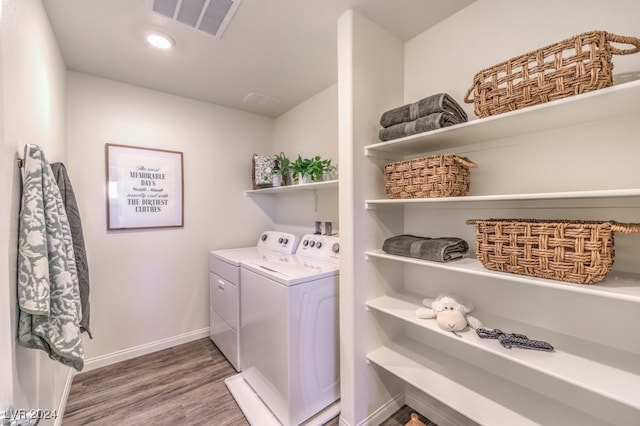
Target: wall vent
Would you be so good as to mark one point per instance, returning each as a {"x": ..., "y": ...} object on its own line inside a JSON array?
[{"x": 209, "y": 16}]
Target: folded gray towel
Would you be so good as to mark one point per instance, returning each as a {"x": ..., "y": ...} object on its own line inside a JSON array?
[
  {"x": 436, "y": 249},
  {"x": 423, "y": 124},
  {"x": 440, "y": 102},
  {"x": 77, "y": 237}
]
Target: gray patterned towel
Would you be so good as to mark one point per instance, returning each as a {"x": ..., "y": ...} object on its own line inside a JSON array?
[
  {"x": 48, "y": 294},
  {"x": 77, "y": 236},
  {"x": 440, "y": 102},
  {"x": 422, "y": 124},
  {"x": 442, "y": 249}
]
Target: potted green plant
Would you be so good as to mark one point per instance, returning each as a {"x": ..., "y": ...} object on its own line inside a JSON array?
[
  {"x": 311, "y": 169},
  {"x": 328, "y": 170},
  {"x": 321, "y": 169},
  {"x": 315, "y": 168},
  {"x": 299, "y": 169},
  {"x": 284, "y": 168}
]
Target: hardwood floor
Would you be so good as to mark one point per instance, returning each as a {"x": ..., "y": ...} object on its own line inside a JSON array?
[{"x": 183, "y": 385}]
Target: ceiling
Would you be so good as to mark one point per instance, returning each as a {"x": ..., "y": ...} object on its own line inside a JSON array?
[{"x": 286, "y": 49}]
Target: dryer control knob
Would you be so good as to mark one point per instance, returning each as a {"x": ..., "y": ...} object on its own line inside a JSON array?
[
  {"x": 312, "y": 243},
  {"x": 264, "y": 237},
  {"x": 285, "y": 241},
  {"x": 305, "y": 243},
  {"x": 335, "y": 247},
  {"x": 280, "y": 240},
  {"x": 319, "y": 244}
]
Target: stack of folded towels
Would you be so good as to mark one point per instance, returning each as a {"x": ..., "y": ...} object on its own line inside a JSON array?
[
  {"x": 442, "y": 249},
  {"x": 433, "y": 112}
]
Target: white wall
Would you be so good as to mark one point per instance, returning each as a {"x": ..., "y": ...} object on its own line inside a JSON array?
[
  {"x": 309, "y": 129},
  {"x": 32, "y": 111},
  {"x": 149, "y": 288}
]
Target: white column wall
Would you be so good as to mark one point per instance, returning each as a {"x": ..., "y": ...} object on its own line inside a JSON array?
[{"x": 365, "y": 88}]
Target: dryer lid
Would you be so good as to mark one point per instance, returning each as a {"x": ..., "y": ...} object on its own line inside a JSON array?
[{"x": 293, "y": 269}]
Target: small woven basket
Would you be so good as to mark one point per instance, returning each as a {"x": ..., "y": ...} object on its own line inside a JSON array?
[
  {"x": 444, "y": 175},
  {"x": 575, "y": 251},
  {"x": 570, "y": 67}
]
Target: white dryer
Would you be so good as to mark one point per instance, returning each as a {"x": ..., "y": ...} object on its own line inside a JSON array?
[
  {"x": 289, "y": 325},
  {"x": 225, "y": 288}
]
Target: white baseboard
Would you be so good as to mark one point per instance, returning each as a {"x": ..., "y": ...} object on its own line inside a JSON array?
[
  {"x": 382, "y": 413},
  {"x": 65, "y": 397},
  {"x": 125, "y": 354}
]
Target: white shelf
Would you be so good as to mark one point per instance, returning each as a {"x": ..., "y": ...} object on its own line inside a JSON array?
[
  {"x": 599, "y": 105},
  {"x": 616, "y": 285},
  {"x": 328, "y": 184},
  {"x": 605, "y": 378},
  {"x": 481, "y": 396},
  {"x": 568, "y": 198}
]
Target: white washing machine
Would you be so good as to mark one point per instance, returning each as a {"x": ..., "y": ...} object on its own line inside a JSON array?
[
  {"x": 225, "y": 288},
  {"x": 289, "y": 325}
]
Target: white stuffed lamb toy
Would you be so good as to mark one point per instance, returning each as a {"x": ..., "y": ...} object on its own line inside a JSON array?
[{"x": 449, "y": 311}]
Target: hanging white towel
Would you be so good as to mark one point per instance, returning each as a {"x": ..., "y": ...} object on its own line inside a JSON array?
[{"x": 48, "y": 291}]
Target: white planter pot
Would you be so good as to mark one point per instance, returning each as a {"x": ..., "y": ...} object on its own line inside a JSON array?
[{"x": 306, "y": 178}]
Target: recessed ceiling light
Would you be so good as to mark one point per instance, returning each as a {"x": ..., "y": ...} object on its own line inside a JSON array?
[{"x": 160, "y": 40}]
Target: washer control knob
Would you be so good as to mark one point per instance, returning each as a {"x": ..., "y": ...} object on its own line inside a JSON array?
[
  {"x": 264, "y": 237},
  {"x": 335, "y": 247},
  {"x": 305, "y": 243},
  {"x": 312, "y": 243},
  {"x": 280, "y": 240},
  {"x": 285, "y": 241},
  {"x": 319, "y": 244}
]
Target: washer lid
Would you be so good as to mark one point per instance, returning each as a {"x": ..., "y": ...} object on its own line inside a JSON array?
[
  {"x": 237, "y": 255},
  {"x": 291, "y": 269}
]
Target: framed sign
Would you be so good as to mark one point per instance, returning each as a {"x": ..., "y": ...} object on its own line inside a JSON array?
[{"x": 144, "y": 188}]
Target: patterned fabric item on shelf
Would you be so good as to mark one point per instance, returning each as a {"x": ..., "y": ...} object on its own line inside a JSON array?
[
  {"x": 514, "y": 340},
  {"x": 570, "y": 67},
  {"x": 263, "y": 170},
  {"x": 567, "y": 250},
  {"x": 444, "y": 175}
]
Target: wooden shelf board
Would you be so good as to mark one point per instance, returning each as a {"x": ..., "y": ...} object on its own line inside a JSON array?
[
  {"x": 603, "y": 104},
  {"x": 566, "y": 196},
  {"x": 617, "y": 285},
  {"x": 296, "y": 187}
]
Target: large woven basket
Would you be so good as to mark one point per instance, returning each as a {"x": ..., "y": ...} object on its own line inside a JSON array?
[
  {"x": 444, "y": 175},
  {"x": 575, "y": 251},
  {"x": 570, "y": 67}
]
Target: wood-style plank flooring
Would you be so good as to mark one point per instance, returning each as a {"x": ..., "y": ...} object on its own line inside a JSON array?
[{"x": 183, "y": 385}]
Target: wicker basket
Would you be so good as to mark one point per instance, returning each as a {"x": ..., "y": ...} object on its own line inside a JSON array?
[
  {"x": 574, "y": 251},
  {"x": 570, "y": 67},
  {"x": 445, "y": 175}
]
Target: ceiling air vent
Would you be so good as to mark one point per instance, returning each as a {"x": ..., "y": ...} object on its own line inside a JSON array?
[{"x": 209, "y": 16}]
